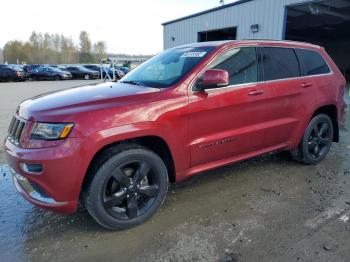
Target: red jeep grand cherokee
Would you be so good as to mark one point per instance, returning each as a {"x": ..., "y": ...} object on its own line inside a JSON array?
[{"x": 115, "y": 146}]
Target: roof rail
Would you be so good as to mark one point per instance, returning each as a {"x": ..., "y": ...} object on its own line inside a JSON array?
[{"x": 277, "y": 40}]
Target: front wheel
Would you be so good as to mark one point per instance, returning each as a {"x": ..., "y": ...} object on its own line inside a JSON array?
[
  {"x": 127, "y": 187},
  {"x": 316, "y": 142},
  {"x": 87, "y": 77}
]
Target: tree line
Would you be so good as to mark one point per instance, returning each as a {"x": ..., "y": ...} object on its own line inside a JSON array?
[{"x": 53, "y": 49}]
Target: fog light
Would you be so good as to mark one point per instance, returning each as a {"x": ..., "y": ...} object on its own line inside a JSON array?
[{"x": 34, "y": 169}]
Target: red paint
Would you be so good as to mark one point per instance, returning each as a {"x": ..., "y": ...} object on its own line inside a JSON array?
[
  {"x": 214, "y": 78},
  {"x": 203, "y": 130}
]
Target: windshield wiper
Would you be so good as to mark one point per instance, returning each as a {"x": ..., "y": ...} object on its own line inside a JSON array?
[{"x": 136, "y": 83}]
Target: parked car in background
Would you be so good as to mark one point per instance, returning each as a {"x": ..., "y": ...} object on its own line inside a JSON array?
[
  {"x": 48, "y": 73},
  {"x": 106, "y": 70},
  {"x": 122, "y": 68},
  {"x": 96, "y": 68},
  {"x": 14, "y": 66},
  {"x": 119, "y": 73},
  {"x": 11, "y": 73},
  {"x": 79, "y": 72},
  {"x": 27, "y": 68},
  {"x": 114, "y": 147}
]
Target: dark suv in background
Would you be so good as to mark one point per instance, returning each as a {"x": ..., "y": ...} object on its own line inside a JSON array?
[
  {"x": 80, "y": 72},
  {"x": 12, "y": 73},
  {"x": 48, "y": 73}
]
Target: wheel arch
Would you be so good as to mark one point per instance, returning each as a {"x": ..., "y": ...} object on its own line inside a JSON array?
[
  {"x": 151, "y": 142},
  {"x": 332, "y": 111}
]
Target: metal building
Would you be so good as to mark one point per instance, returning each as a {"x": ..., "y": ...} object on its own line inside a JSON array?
[{"x": 323, "y": 22}]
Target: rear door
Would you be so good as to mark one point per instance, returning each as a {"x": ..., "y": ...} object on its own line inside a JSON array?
[
  {"x": 316, "y": 72},
  {"x": 282, "y": 73},
  {"x": 230, "y": 121}
]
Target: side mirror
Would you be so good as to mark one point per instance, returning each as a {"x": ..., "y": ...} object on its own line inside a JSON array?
[{"x": 213, "y": 78}]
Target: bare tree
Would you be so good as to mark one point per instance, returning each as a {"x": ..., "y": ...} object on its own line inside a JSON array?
[
  {"x": 100, "y": 49},
  {"x": 53, "y": 49},
  {"x": 1, "y": 57},
  {"x": 85, "y": 48}
]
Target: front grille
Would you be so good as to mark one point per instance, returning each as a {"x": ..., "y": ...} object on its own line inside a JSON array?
[{"x": 15, "y": 130}]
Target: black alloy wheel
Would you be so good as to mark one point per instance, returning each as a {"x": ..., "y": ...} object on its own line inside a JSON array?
[
  {"x": 128, "y": 185},
  {"x": 131, "y": 190},
  {"x": 316, "y": 142},
  {"x": 319, "y": 140}
]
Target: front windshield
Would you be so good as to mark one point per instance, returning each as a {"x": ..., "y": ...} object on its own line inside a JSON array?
[{"x": 168, "y": 67}]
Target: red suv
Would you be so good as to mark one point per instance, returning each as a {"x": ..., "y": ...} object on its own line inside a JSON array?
[{"x": 115, "y": 146}]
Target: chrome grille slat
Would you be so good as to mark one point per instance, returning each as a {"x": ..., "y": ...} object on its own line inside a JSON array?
[
  {"x": 15, "y": 130},
  {"x": 11, "y": 125},
  {"x": 19, "y": 131}
]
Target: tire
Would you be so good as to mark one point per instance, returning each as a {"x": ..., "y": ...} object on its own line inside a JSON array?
[
  {"x": 127, "y": 185},
  {"x": 87, "y": 77},
  {"x": 316, "y": 142},
  {"x": 57, "y": 78}
]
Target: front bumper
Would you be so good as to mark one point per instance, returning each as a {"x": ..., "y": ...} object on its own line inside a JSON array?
[
  {"x": 26, "y": 189},
  {"x": 67, "y": 77},
  {"x": 95, "y": 76},
  {"x": 57, "y": 187}
]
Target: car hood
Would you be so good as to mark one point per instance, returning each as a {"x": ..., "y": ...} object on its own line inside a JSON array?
[{"x": 64, "y": 104}]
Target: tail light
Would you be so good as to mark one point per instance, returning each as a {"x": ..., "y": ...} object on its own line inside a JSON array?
[{"x": 18, "y": 73}]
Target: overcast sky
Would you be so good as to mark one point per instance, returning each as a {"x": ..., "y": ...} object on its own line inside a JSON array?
[{"x": 131, "y": 26}]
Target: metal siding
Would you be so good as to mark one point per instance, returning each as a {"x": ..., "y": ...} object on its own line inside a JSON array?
[{"x": 269, "y": 14}]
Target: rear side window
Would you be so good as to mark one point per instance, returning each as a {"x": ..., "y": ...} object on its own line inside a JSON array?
[
  {"x": 240, "y": 63},
  {"x": 279, "y": 63},
  {"x": 313, "y": 62}
]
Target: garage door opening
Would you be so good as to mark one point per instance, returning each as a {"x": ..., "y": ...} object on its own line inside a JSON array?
[
  {"x": 325, "y": 23},
  {"x": 217, "y": 35}
]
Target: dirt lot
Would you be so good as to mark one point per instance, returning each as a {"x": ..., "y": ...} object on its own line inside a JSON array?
[{"x": 265, "y": 209}]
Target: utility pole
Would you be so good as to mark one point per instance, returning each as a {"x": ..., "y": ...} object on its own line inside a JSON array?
[{"x": 222, "y": 2}]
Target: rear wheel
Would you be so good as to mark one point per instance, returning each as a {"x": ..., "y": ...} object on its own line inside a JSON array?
[
  {"x": 316, "y": 142},
  {"x": 127, "y": 187}
]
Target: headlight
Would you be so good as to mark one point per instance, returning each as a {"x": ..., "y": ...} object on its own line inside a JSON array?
[{"x": 48, "y": 131}]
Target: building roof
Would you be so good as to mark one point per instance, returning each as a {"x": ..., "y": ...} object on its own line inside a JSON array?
[
  {"x": 207, "y": 11},
  {"x": 256, "y": 42}
]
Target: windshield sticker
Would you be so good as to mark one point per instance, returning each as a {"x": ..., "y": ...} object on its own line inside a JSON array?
[{"x": 194, "y": 54}]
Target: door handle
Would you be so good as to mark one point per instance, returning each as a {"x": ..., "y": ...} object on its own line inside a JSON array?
[
  {"x": 306, "y": 85},
  {"x": 255, "y": 93}
]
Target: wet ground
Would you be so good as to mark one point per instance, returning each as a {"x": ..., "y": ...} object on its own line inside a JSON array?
[{"x": 265, "y": 209}]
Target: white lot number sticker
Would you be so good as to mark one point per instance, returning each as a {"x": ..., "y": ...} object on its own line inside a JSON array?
[{"x": 194, "y": 54}]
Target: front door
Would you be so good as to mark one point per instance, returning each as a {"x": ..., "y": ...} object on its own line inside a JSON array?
[{"x": 230, "y": 121}]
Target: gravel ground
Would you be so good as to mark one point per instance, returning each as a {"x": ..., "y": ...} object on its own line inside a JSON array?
[{"x": 264, "y": 209}]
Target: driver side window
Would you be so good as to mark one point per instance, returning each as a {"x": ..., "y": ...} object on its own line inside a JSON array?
[{"x": 240, "y": 63}]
